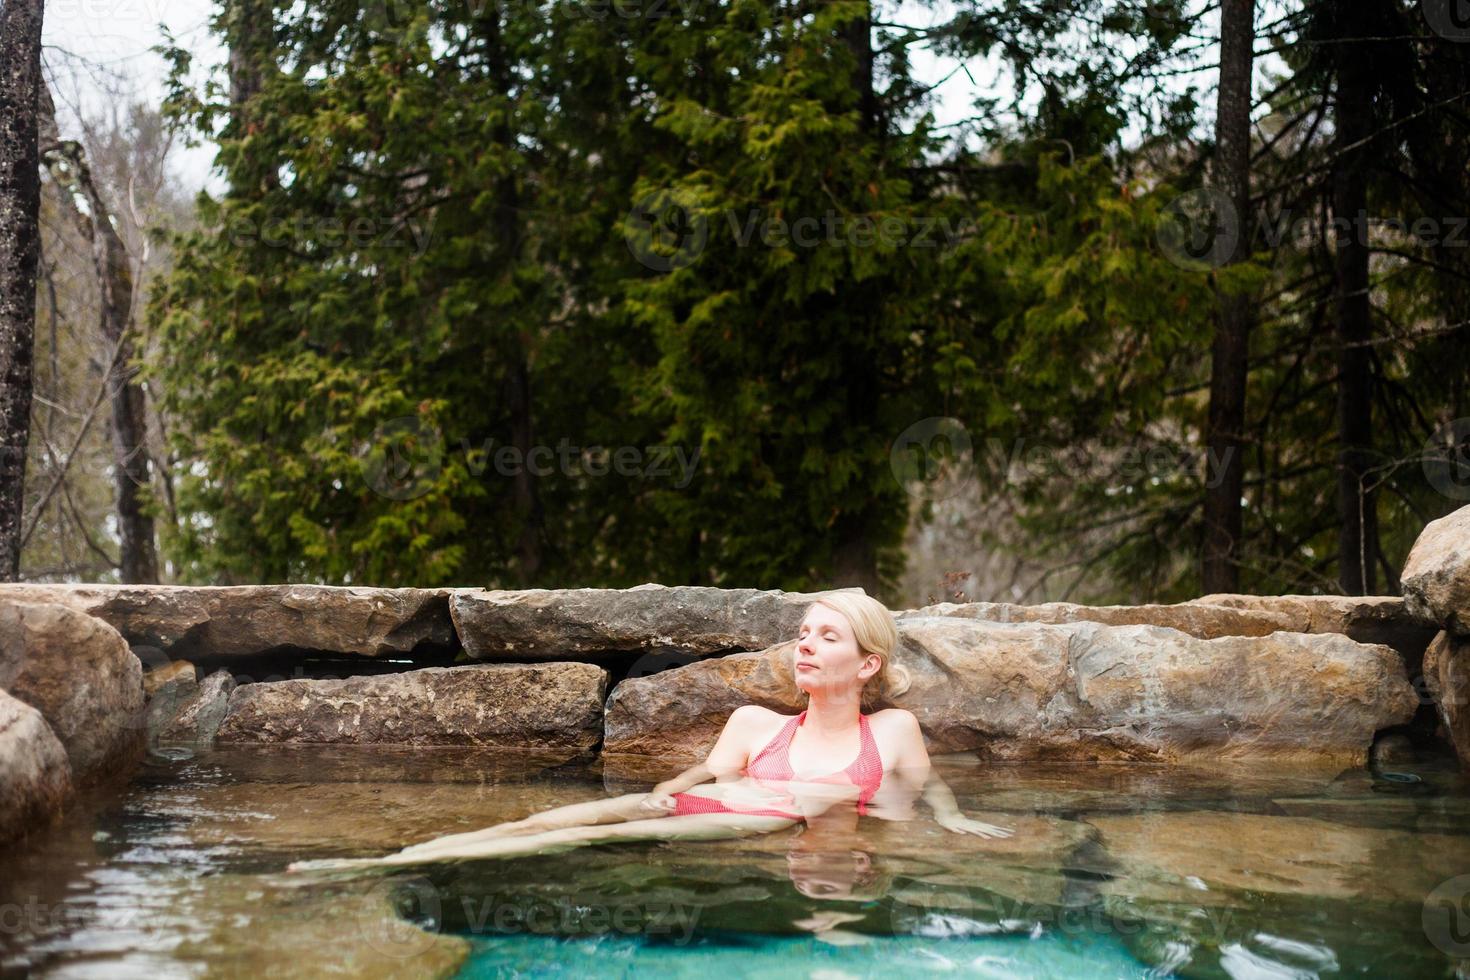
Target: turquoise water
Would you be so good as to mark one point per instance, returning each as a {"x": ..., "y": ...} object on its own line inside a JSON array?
[
  {"x": 1113, "y": 872},
  {"x": 1044, "y": 957}
]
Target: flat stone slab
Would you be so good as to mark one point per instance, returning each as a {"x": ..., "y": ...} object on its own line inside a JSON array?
[
  {"x": 515, "y": 706},
  {"x": 539, "y": 624},
  {"x": 1197, "y": 619},
  {"x": 215, "y": 622},
  {"x": 1079, "y": 692},
  {"x": 1436, "y": 578},
  {"x": 1382, "y": 619}
]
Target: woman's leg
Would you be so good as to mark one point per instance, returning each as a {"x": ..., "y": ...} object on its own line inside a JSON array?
[
  {"x": 594, "y": 812},
  {"x": 694, "y": 826}
]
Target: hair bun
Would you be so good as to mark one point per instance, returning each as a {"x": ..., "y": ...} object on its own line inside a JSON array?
[{"x": 899, "y": 680}]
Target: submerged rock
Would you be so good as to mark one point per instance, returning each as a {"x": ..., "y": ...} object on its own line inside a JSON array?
[
  {"x": 243, "y": 620},
  {"x": 247, "y": 926},
  {"x": 176, "y": 673},
  {"x": 558, "y": 623},
  {"x": 79, "y": 673},
  {"x": 1436, "y": 578},
  {"x": 1197, "y": 619},
  {"x": 1081, "y": 691},
  {"x": 35, "y": 777},
  {"x": 1447, "y": 677},
  {"x": 532, "y": 706},
  {"x": 1205, "y": 857},
  {"x": 199, "y": 716}
]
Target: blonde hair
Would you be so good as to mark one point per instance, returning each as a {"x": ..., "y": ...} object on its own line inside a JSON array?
[{"x": 876, "y": 632}]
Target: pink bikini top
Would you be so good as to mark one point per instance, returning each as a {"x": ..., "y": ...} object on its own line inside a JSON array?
[{"x": 866, "y": 772}]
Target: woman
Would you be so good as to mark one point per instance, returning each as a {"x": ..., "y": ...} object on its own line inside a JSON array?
[{"x": 767, "y": 771}]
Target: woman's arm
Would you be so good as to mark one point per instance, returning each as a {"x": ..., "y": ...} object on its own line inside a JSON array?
[
  {"x": 913, "y": 760},
  {"x": 947, "y": 812},
  {"x": 727, "y": 758}
]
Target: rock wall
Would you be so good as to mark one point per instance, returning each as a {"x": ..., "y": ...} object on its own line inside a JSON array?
[
  {"x": 1306, "y": 677},
  {"x": 177, "y": 621},
  {"x": 553, "y": 624},
  {"x": 500, "y": 706},
  {"x": 1079, "y": 691}
]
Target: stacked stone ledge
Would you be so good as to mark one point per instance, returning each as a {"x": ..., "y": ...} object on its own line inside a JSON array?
[
  {"x": 1223, "y": 677},
  {"x": 1436, "y": 584}
]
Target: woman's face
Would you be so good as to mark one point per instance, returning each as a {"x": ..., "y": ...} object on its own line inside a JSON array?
[{"x": 828, "y": 659}]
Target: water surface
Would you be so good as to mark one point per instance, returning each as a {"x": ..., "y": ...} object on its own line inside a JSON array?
[{"x": 1114, "y": 871}]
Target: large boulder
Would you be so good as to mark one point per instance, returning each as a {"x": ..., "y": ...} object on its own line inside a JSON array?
[
  {"x": 1197, "y": 619},
  {"x": 1447, "y": 674},
  {"x": 1080, "y": 691},
  {"x": 538, "y": 624},
  {"x": 214, "y": 622},
  {"x": 1436, "y": 577},
  {"x": 502, "y": 706},
  {"x": 1381, "y": 619},
  {"x": 79, "y": 673},
  {"x": 35, "y": 777}
]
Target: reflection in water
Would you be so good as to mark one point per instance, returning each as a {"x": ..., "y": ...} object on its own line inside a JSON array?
[{"x": 1114, "y": 871}]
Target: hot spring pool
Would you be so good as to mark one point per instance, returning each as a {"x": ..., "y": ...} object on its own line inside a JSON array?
[{"x": 1114, "y": 871}]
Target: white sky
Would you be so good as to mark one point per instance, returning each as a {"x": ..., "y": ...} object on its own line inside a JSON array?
[{"x": 88, "y": 40}]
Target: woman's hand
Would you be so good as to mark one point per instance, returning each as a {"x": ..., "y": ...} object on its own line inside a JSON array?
[
  {"x": 961, "y": 824},
  {"x": 660, "y": 799}
]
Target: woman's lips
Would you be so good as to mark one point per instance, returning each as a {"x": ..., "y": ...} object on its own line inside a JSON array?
[{"x": 806, "y": 666}]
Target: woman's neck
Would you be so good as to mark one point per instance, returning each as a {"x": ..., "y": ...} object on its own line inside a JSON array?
[{"x": 832, "y": 715}]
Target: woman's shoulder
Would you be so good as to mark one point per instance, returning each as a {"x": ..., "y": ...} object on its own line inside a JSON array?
[
  {"x": 897, "y": 720},
  {"x": 756, "y": 715}
]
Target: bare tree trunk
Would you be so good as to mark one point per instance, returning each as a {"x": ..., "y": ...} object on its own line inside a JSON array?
[
  {"x": 130, "y": 463},
  {"x": 1225, "y": 431},
  {"x": 858, "y": 36},
  {"x": 527, "y": 500},
  {"x": 20, "y": 245},
  {"x": 1357, "y": 541}
]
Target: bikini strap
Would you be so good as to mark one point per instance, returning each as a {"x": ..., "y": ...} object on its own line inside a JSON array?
[
  {"x": 867, "y": 770},
  {"x": 780, "y": 742}
]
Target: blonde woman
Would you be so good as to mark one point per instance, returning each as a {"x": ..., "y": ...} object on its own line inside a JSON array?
[{"x": 767, "y": 771}]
